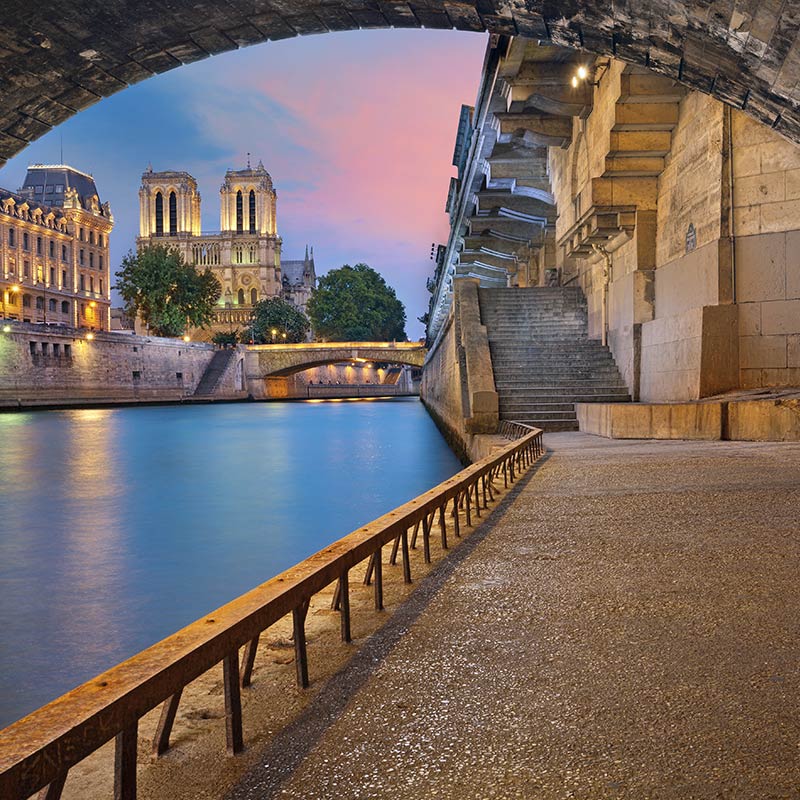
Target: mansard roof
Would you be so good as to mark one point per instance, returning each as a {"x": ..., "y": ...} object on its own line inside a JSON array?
[{"x": 47, "y": 184}]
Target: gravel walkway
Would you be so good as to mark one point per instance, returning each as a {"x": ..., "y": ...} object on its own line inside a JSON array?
[{"x": 626, "y": 625}]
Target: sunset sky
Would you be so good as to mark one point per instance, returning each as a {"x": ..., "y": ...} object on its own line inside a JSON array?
[{"x": 357, "y": 130}]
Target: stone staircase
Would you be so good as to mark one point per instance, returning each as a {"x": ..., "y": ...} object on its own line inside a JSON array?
[
  {"x": 543, "y": 359},
  {"x": 214, "y": 372}
]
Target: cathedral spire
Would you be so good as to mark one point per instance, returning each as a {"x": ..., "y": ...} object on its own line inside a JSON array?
[{"x": 306, "y": 252}]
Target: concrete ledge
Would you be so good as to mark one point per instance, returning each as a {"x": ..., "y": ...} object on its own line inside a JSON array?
[
  {"x": 776, "y": 420},
  {"x": 651, "y": 420},
  {"x": 730, "y": 417}
]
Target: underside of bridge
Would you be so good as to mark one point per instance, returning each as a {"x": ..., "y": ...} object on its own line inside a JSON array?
[{"x": 58, "y": 58}]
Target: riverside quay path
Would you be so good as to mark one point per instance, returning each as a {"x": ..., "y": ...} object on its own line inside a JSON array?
[{"x": 624, "y": 623}]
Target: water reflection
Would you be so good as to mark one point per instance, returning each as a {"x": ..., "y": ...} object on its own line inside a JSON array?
[{"x": 117, "y": 527}]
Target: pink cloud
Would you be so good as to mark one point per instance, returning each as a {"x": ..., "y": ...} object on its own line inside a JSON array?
[{"x": 358, "y": 133}]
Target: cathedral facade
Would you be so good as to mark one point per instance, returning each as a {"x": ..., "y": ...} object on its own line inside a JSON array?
[{"x": 244, "y": 255}]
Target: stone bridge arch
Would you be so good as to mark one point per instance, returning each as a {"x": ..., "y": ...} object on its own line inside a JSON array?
[
  {"x": 267, "y": 365},
  {"x": 58, "y": 58}
]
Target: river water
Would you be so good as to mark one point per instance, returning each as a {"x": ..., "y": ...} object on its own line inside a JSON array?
[{"x": 120, "y": 526}]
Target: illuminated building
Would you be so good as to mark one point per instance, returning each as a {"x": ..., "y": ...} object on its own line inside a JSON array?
[
  {"x": 244, "y": 255},
  {"x": 54, "y": 257}
]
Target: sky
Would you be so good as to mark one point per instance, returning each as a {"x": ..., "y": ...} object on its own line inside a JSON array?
[{"x": 357, "y": 130}]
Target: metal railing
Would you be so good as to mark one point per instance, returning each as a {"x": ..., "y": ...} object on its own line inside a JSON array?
[{"x": 37, "y": 752}]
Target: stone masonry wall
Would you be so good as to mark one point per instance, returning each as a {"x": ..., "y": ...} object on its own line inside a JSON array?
[
  {"x": 766, "y": 198},
  {"x": 689, "y": 315},
  {"x": 51, "y": 366}
]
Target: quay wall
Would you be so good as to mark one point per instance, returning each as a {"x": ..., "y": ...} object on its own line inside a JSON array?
[
  {"x": 57, "y": 366},
  {"x": 458, "y": 381}
]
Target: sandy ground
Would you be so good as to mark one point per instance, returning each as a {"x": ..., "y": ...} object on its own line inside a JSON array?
[{"x": 197, "y": 765}]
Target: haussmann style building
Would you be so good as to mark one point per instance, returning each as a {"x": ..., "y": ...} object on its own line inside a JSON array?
[
  {"x": 54, "y": 258},
  {"x": 245, "y": 254}
]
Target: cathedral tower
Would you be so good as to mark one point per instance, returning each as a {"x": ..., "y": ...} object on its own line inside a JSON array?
[
  {"x": 248, "y": 202},
  {"x": 169, "y": 204}
]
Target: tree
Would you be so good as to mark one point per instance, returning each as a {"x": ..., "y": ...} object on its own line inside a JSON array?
[
  {"x": 279, "y": 316},
  {"x": 353, "y": 304},
  {"x": 169, "y": 294},
  {"x": 223, "y": 338}
]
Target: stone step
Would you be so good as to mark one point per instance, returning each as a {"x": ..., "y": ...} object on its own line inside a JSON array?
[
  {"x": 534, "y": 409},
  {"x": 552, "y": 426},
  {"x": 573, "y": 389},
  {"x": 567, "y": 376},
  {"x": 542, "y": 357},
  {"x": 574, "y": 394}
]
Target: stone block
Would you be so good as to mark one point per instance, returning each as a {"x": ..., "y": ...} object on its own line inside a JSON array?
[
  {"x": 750, "y": 379},
  {"x": 688, "y": 282},
  {"x": 780, "y": 377},
  {"x": 780, "y": 216},
  {"x": 793, "y": 352},
  {"x": 778, "y": 156},
  {"x": 719, "y": 365},
  {"x": 793, "y": 184},
  {"x": 749, "y": 319},
  {"x": 762, "y": 352},
  {"x": 760, "y": 189},
  {"x": 747, "y": 220},
  {"x": 765, "y": 420},
  {"x": 793, "y": 264},
  {"x": 761, "y": 267},
  {"x": 747, "y": 161},
  {"x": 701, "y": 421},
  {"x": 780, "y": 316}
]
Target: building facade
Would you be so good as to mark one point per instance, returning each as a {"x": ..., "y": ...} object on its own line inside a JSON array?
[
  {"x": 244, "y": 255},
  {"x": 54, "y": 250}
]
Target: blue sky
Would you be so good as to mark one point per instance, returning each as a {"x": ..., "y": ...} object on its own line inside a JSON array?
[{"x": 356, "y": 129}]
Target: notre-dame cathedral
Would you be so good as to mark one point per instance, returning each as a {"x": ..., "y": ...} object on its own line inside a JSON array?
[{"x": 245, "y": 254}]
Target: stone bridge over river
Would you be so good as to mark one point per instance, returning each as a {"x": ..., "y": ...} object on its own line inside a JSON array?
[{"x": 269, "y": 365}]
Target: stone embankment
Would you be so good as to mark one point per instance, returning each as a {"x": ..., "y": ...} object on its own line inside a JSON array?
[{"x": 44, "y": 366}]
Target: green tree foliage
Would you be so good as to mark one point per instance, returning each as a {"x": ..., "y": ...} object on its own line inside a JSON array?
[
  {"x": 226, "y": 337},
  {"x": 169, "y": 294},
  {"x": 279, "y": 316},
  {"x": 355, "y": 304}
]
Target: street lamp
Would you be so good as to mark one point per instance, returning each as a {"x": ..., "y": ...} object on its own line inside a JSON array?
[
  {"x": 15, "y": 290},
  {"x": 274, "y": 334}
]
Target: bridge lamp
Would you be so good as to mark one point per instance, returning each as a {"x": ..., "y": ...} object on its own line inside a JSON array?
[
  {"x": 283, "y": 335},
  {"x": 89, "y": 336},
  {"x": 15, "y": 288},
  {"x": 574, "y": 82},
  {"x": 187, "y": 338},
  {"x": 583, "y": 73},
  {"x": 6, "y": 329}
]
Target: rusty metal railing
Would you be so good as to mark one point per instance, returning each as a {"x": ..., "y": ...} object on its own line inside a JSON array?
[{"x": 37, "y": 752}]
